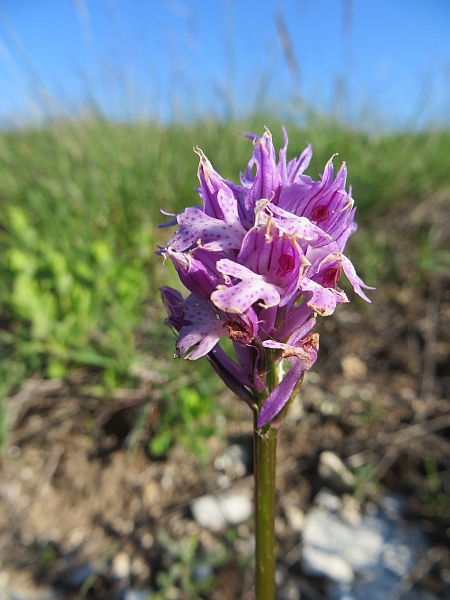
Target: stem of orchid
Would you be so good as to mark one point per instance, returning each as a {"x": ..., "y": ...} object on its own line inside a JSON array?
[{"x": 265, "y": 448}]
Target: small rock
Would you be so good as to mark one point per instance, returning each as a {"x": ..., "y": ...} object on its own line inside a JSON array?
[
  {"x": 289, "y": 591},
  {"x": 328, "y": 501},
  {"x": 206, "y": 511},
  {"x": 325, "y": 564},
  {"x": 353, "y": 368},
  {"x": 351, "y": 510},
  {"x": 151, "y": 492},
  {"x": 280, "y": 575},
  {"x": 120, "y": 567},
  {"x": 334, "y": 473},
  {"x": 359, "y": 546},
  {"x": 233, "y": 462},
  {"x": 294, "y": 516},
  {"x": 139, "y": 567},
  {"x": 74, "y": 539},
  {"x": 135, "y": 594},
  {"x": 236, "y": 508},
  {"x": 380, "y": 551},
  {"x": 214, "y": 512},
  {"x": 167, "y": 482},
  {"x": 147, "y": 540}
]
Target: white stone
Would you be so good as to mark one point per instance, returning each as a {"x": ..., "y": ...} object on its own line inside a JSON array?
[
  {"x": 294, "y": 516},
  {"x": 233, "y": 462},
  {"x": 351, "y": 510},
  {"x": 215, "y": 512},
  {"x": 319, "y": 562},
  {"x": 382, "y": 552},
  {"x": 328, "y": 500},
  {"x": 134, "y": 594},
  {"x": 120, "y": 568},
  {"x": 398, "y": 558},
  {"x": 206, "y": 511},
  {"x": 360, "y": 546},
  {"x": 236, "y": 508}
]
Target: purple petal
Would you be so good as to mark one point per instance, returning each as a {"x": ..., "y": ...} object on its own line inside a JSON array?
[
  {"x": 239, "y": 298},
  {"x": 170, "y": 223},
  {"x": 196, "y": 270},
  {"x": 230, "y": 374},
  {"x": 211, "y": 184},
  {"x": 305, "y": 348},
  {"x": 267, "y": 181},
  {"x": 356, "y": 282},
  {"x": 241, "y": 328},
  {"x": 277, "y": 257},
  {"x": 197, "y": 227},
  {"x": 199, "y": 311},
  {"x": 293, "y": 321},
  {"x": 173, "y": 301},
  {"x": 282, "y": 155},
  {"x": 229, "y": 207},
  {"x": 203, "y": 336},
  {"x": 290, "y": 172},
  {"x": 297, "y": 166},
  {"x": 251, "y": 359},
  {"x": 300, "y": 227},
  {"x": 296, "y": 337},
  {"x": 228, "y": 267},
  {"x": 268, "y": 318},
  {"x": 323, "y": 300},
  {"x": 281, "y": 394},
  {"x": 297, "y": 351},
  {"x": 301, "y": 356}
]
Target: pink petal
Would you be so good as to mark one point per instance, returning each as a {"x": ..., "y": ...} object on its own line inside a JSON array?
[
  {"x": 356, "y": 282},
  {"x": 214, "y": 234},
  {"x": 300, "y": 227},
  {"x": 323, "y": 300},
  {"x": 204, "y": 336},
  {"x": 281, "y": 394},
  {"x": 239, "y": 298},
  {"x": 234, "y": 269}
]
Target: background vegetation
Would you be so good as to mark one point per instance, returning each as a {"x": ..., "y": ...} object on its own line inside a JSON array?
[
  {"x": 78, "y": 230},
  {"x": 79, "y": 283}
]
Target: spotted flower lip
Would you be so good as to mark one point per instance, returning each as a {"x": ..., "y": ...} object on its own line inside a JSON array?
[
  {"x": 270, "y": 266},
  {"x": 260, "y": 258},
  {"x": 203, "y": 328}
]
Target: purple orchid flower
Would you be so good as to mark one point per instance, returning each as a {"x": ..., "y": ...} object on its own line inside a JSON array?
[{"x": 260, "y": 259}]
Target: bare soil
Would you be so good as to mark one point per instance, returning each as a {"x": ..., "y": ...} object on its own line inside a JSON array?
[{"x": 72, "y": 493}]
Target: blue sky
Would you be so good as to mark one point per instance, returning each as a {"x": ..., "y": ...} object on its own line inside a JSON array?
[{"x": 389, "y": 59}]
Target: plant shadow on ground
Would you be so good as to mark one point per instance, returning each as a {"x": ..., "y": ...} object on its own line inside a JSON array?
[{"x": 104, "y": 460}]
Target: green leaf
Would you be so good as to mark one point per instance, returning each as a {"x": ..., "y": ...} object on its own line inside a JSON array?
[{"x": 160, "y": 444}]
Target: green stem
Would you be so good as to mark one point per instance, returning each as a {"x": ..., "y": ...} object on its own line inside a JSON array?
[{"x": 265, "y": 449}]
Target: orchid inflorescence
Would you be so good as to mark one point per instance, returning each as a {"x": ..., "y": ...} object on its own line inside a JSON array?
[{"x": 261, "y": 260}]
